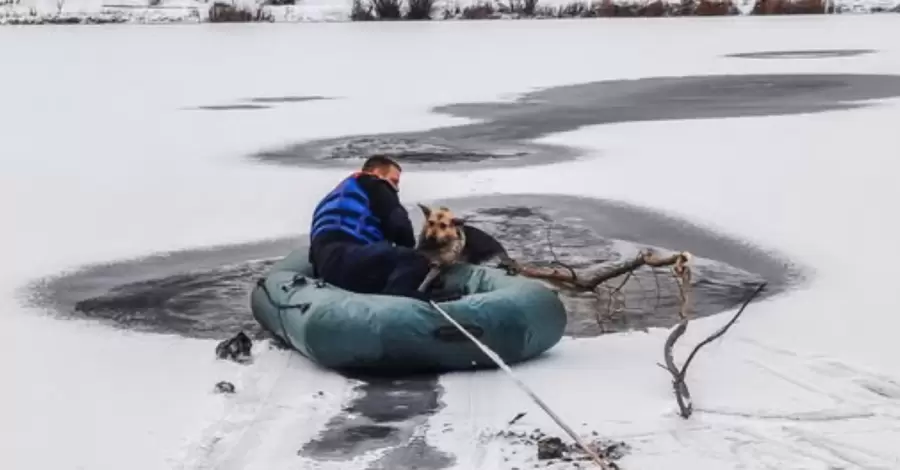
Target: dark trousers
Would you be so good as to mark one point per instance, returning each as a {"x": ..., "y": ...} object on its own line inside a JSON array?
[{"x": 378, "y": 268}]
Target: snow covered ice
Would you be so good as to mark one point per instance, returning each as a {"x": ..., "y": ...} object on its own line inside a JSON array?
[{"x": 104, "y": 157}]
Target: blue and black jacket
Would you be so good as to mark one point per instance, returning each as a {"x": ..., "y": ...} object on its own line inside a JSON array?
[{"x": 362, "y": 209}]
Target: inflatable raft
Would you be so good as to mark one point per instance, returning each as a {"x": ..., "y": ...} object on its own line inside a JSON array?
[{"x": 519, "y": 318}]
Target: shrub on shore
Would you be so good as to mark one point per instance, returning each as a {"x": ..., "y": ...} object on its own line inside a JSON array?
[
  {"x": 497, "y": 9},
  {"x": 788, "y": 7},
  {"x": 225, "y": 11},
  {"x": 420, "y": 9},
  {"x": 221, "y": 12}
]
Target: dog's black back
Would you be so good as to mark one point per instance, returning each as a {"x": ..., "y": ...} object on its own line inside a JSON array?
[{"x": 481, "y": 247}]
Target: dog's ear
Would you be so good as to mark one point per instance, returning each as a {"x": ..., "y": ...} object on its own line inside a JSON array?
[
  {"x": 426, "y": 211},
  {"x": 459, "y": 221}
]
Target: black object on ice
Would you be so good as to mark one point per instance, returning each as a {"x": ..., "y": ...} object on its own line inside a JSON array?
[
  {"x": 551, "y": 448},
  {"x": 236, "y": 348},
  {"x": 224, "y": 387},
  {"x": 516, "y": 418}
]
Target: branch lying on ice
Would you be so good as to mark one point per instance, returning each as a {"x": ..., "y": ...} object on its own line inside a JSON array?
[
  {"x": 567, "y": 276},
  {"x": 682, "y": 394}
]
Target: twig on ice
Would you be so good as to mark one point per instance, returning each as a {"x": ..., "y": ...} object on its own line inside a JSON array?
[
  {"x": 682, "y": 394},
  {"x": 718, "y": 334},
  {"x": 516, "y": 418}
]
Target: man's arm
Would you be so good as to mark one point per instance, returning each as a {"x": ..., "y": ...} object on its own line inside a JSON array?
[{"x": 385, "y": 204}]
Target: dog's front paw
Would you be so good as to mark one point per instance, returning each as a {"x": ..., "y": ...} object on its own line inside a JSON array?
[{"x": 510, "y": 266}]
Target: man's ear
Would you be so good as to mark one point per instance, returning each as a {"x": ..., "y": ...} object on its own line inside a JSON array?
[
  {"x": 425, "y": 210},
  {"x": 459, "y": 221}
]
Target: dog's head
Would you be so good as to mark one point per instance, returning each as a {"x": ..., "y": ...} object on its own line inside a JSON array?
[{"x": 441, "y": 228}]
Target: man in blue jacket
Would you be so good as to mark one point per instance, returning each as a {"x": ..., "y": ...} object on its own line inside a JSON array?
[{"x": 362, "y": 238}]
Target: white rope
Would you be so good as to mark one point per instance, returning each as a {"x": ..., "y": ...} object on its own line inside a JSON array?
[{"x": 602, "y": 463}]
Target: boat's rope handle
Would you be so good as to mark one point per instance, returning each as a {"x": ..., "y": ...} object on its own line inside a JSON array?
[{"x": 280, "y": 308}]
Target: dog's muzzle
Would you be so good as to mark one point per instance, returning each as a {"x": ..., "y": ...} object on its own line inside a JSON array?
[{"x": 430, "y": 243}]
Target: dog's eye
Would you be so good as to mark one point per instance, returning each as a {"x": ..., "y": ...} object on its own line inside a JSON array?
[
  {"x": 431, "y": 223},
  {"x": 443, "y": 226}
]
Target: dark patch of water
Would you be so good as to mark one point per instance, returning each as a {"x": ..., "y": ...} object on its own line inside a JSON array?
[
  {"x": 286, "y": 99},
  {"x": 502, "y": 136},
  {"x": 259, "y": 102},
  {"x": 232, "y": 107},
  {"x": 203, "y": 293},
  {"x": 173, "y": 300},
  {"x": 195, "y": 293},
  {"x": 420, "y": 150},
  {"x": 388, "y": 412},
  {"x": 802, "y": 54}
]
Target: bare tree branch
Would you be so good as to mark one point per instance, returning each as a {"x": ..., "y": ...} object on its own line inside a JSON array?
[
  {"x": 718, "y": 334},
  {"x": 569, "y": 277},
  {"x": 556, "y": 260},
  {"x": 565, "y": 276},
  {"x": 658, "y": 292},
  {"x": 682, "y": 394}
]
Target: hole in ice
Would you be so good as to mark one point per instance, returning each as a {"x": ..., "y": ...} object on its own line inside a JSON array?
[{"x": 203, "y": 293}]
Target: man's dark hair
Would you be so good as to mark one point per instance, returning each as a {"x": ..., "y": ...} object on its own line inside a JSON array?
[{"x": 379, "y": 161}]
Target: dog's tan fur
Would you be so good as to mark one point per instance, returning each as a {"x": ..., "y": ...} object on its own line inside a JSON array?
[{"x": 441, "y": 240}]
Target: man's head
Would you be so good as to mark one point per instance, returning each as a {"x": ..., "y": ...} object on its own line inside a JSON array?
[{"x": 384, "y": 168}]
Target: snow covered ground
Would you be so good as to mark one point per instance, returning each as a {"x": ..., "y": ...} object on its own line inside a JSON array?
[{"x": 102, "y": 160}]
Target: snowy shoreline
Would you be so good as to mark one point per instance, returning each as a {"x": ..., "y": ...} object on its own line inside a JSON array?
[{"x": 87, "y": 12}]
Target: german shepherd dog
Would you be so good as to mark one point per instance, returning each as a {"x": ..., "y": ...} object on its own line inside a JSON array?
[{"x": 446, "y": 240}]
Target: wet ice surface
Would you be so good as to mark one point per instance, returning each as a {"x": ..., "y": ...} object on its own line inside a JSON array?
[
  {"x": 204, "y": 293},
  {"x": 259, "y": 102},
  {"x": 389, "y": 412},
  {"x": 195, "y": 293},
  {"x": 232, "y": 107},
  {"x": 802, "y": 54},
  {"x": 504, "y": 131},
  {"x": 286, "y": 99},
  {"x": 418, "y": 150}
]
